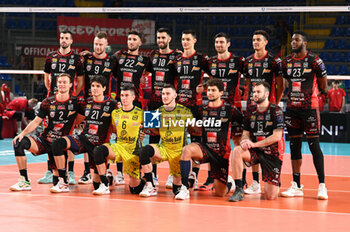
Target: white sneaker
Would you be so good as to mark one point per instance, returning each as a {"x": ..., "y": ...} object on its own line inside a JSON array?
[
  {"x": 103, "y": 189},
  {"x": 254, "y": 188},
  {"x": 21, "y": 185},
  {"x": 183, "y": 194},
  {"x": 233, "y": 185},
  {"x": 60, "y": 187},
  {"x": 110, "y": 177},
  {"x": 169, "y": 182},
  {"x": 293, "y": 191},
  {"x": 85, "y": 179},
  {"x": 155, "y": 180},
  {"x": 119, "y": 179},
  {"x": 148, "y": 191},
  {"x": 193, "y": 176},
  {"x": 322, "y": 192}
]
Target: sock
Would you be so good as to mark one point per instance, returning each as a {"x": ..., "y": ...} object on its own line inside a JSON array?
[
  {"x": 96, "y": 185},
  {"x": 104, "y": 179},
  {"x": 229, "y": 186},
  {"x": 70, "y": 166},
  {"x": 239, "y": 183},
  {"x": 149, "y": 177},
  {"x": 195, "y": 170},
  {"x": 62, "y": 173},
  {"x": 87, "y": 167},
  {"x": 210, "y": 179},
  {"x": 54, "y": 180},
  {"x": 244, "y": 175},
  {"x": 48, "y": 166},
  {"x": 154, "y": 166},
  {"x": 176, "y": 189},
  {"x": 185, "y": 166},
  {"x": 24, "y": 173},
  {"x": 296, "y": 178},
  {"x": 120, "y": 167},
  {"x": 256, "y": 176}
]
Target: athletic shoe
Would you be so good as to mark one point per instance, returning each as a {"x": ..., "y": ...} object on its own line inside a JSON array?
[
  {"x": 155, "y": 180},
  {"x": 119, "y": 179},
  {"x": 71, "y": 178},
  {"x": 230, "y": 184},
  {"x": 254, "y": 188},
  {"x": 21, "y": 185},
  {"x": 322, "y": 192},
  {"x": 60, "y": 187},
  {"x": 148, "y": 191},
  {"x": 47, "y": 178},
  {"x": 85, "y": 178},
  {"x": 183, "y": 194},
  {"x": 103, "y": 189},
  {"x": 192, "y": 177},
  {"x": 238, "y": 195},
  {"x": 110, "y": 177},
  {"x": 293, "y": 191},
  {"x": 208, "y": 185},
  {"x": 169, "y": 182}
]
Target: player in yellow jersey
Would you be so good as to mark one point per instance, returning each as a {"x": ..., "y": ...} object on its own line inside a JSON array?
[
  {"x": 126, "y": 123},
  {"x": 173, "y": 120}
]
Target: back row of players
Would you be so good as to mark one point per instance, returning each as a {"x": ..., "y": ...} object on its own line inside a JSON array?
[{"x": 304, "y": 72}]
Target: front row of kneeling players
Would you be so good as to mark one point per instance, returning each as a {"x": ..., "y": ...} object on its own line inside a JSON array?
[{"x": 262, "y": 135}]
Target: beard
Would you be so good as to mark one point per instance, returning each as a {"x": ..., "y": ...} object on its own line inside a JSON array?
[
  {"x": 260, "y": 100},
  {"x": 214, "y": 99},
  {"x": 297, "y": 50},
  {"x": 133, "y": 49},
  {"x": 162, "y": 46}
]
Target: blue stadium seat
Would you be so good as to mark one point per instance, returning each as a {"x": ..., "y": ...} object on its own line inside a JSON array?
[
  {"x": 341, "y": 19},
  {"x": 337, "y": 31},
  {"x": 347, "y": 56},
  {"x": 342, "y": 70},
  {"x": 341, "y": 44},
  {"x": 3, "y": 62},
  {"x": 336, "y": 57},
  {"x": 347, "y": 31},
  {"x": 11, "y": 23},
  {"x": 325, "y": 56},
  {"x": 330, "y": 44},
  {"x": 331, "y": 69},
  {"x": 6, "y": 77}
]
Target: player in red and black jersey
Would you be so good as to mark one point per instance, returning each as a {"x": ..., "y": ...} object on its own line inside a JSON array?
[
  {"x": 262, "y": 142},
  {"x": 64, "y": 61},
  {"x": 96, "y": 131},
  {"x": 262, "y": 66},
  {"x": 306, "y": 74},
  {"x": 62, "y": 110},
  {"x": 130, "y": 66},
  {"x": 218, "y": 118}
]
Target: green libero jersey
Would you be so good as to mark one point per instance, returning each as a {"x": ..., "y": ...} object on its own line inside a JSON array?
[
  {"x": 127, "y": 124},
  {"x": 173, "y": 127}
]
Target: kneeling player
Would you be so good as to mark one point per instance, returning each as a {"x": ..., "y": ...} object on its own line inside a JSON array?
[
  {"x": 173, "y": 136},
  {"x": 218, "y": 118},
  {"x": 261, "y": 142}
]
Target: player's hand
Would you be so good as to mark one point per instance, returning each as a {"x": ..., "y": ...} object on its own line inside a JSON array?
[
  {"x": 179, "y": 51},
  {"x": 142, "y": 135},
  {"x": 200, "y": 88},
  {"x": 84, "y": 53},
  {"x": 18, "y": 137},
  {"x": 119, "y": 105}
]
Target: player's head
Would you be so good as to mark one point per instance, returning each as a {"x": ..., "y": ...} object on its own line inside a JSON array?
[
  {"x": 222, "y": 42},
  {"x": 134, "y": 41},
  {"x": 260, "y": 39},
  {"x": 32, "y": 102},
  {"x": 98, "y": 85},
  {"x": 163, "y": 38},
  {"x": 261, "y": 91},
  {"x": 66, "y": 39},
  {"x": 168, "y": 94},
  {"x": 188, "y": 40},
  {"x": 64, "y": 82},
  {"x": 215, "y": 89},
  {"x": 335, "y": 84},
  {"x": 127, "y": 95},
  {"x": 299, "y": 41},
  {"x": 100, "y": 43}
]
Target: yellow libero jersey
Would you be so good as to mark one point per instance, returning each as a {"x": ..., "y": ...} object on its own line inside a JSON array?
[
  {"x": 173, "y": 127},
  {"x": 128, "y": 124}
]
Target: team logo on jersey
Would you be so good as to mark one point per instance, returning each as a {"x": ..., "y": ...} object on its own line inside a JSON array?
[
  {"x": 213, "y": 72},
  {"x": 268, "y": 117},
  {"x": 265, "y": 65},
  {"x": 289, "y": 65},
  {"x": 89, "y": 61},
  {"x": 154, "y": 61},
  {"x": 222, "y": 113},
  {"x": 127, "y": 76},
  {"x": 250, "y": 65},
  {"x": 179, "y": 69},
  {"x": 252, "y": 124},
  {"x": 306, "y": 64},
  {"x": 171, "y": 57},
  {"x": 71, "y": 61},
  {"x": 106, "y": 108},
  {"x": 88, "y": 68},
  {"x": 231, "y": 65},
  {"x": 71, "y": 67},
  {"x": 121, "y": 61},
  {"x": 195, "y": 62},
  {"x": 289, "y": 71},
  {"x": 107, "y": 64},
  {"x": 54, "y": 60},
  {"x": 87, "y": 113},
  {"x": 135, "y": 117},
  {"x": 151, "y": 119},
  {"x": 205, "y": 113},
  {"x": 53, "y": 66},
  {"x": 186, "y": 84},
  {"x": 211, "y": 137}
]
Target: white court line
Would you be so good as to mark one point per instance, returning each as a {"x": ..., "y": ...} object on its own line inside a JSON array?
[{"x": 179, "y": 202}]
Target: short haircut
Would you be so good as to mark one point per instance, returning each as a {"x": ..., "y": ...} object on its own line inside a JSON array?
[
  {"x": 169, "y": 86},
  {"x": 263, "y": 33},
  {"x": 263, "y": 83},
  {"x": 33, "y": 100},
  {"x": 66, "y": 75},
  {"x": 136, "y": 33},
  {"x": 164, "y": 29},
  {"x": 336, "y": 81},
  {"x": 190, "y": 31},
  {"x": 128, "y": 87},
  {"x": 102, "y": 35},
  {"x": 216, "y": 82},
  {"x": 222, "y": 34},
  {"x": 302, "y": 33},
  {"x": 99, "y": 79},
  {"x": 67, "y": 32}
]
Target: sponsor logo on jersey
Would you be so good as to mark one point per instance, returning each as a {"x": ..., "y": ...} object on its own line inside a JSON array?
[
  {"x": 127, "y": 76},
  {"x": 231, "y": 71},
  {"x": 231, "y": 65},
  {"x": 53, "y": 66},
  {"x": 160, "y": 76},
  {"x": 107, "y": 70},
  {"x": 63, "y": 60},
  {"x": 98, "y": 62},
  {"x": 140, "y": 64},
  {"x": 211, "y": 137},
  {"x": 106, "y": 108},
  {"x": 268, "y": 124},
  {"x": 213, "y": 72},
  {"x": 289, "y": 71},
  {"x": 71, "y": 113},
  {"x": 140, "y": 58},
  {"x": 71, "y": 67},
  {"x": 250, "y": 72},
  {"x": 265, "y": 65},
  {"x": 257, "y": 64},
  {"x": 195, "y": 69},
  {"x": 93, "y": 129},
  {"x": 121, "y": 61},
  {"x": 186, "y": 84},
  {"x": 289, "y": 65},
  {"x": 52, "y": 114},
  {"x": 306, "y": 64},
  {"x": 195, "y": 62},
  {"x": 250, "y": 65},
  {"x": 58, "y": 126},
  {"x": 61, "y": 107},
  {"x": 296, "y": 86},
  {"x": 266, "y": 71},
  {"x": 125, "y": 117},
  {"x": 71, "y": 61},
  {"x": 88, "y": 68},
  {"x": 307, "y": 70},
  {"x": 222, "y": 65},
  {"x": 96, "y": 107},
  {"x": 70, "y": 107},
  {"x": 105, "y": 115},
  {"x": 297, "y": 65}
]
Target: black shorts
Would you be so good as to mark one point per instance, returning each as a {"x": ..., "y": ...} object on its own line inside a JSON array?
[
  {"x": 80, "y": 144},
  {"x": 219, "y": 165},
  {"x": 299, "y": 121},
  {"x": 270, "y": 164}
]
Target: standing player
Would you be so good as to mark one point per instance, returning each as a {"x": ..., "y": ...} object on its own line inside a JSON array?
[
  {"x": 336, "y": 98},
  {"x": 63, "y": 61},
  {"x": 97, "y": 63},
  {"x": 306, "y": 74},
  {"x": 262, "y": 66},
  {"x": 173, "y": 138},
  {"x": 262, "y": 134},
  {"x": 95, "y": 132},
  {"x": 61, "y": 110},
  {"x": 215, "y": 147},
  {"x": 126, "y": 123}
]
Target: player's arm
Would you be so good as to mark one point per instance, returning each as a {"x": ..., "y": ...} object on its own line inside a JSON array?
[
  {"x": 279, "y": 88},
  {"x": 47, "y": 81},
  {"x": 79, "y": 118},
  {"x": 31, "y": 127},
  {"x": 245, "y": 143},
  {"x": 152, "y": 131},
  {"x": 274, "y": 138},
  {"x": 342, "y": 109},
  {"x": 80, "y": 84}
]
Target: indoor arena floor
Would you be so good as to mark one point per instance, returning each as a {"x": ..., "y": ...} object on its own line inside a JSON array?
[{"x": 39, "y": 210}]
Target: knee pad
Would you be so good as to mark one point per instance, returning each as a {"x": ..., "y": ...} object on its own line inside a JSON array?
[
  {"x": 314, "y": 145},
  {"x": 58, "y": 147},
  {"x": 19, "y": 147},
  {"x": 176, "y": 189},
  {"x": 137, "y": 189},
  {"x": 295, "y": 148},
  {"x": 100, "y": 154},
  {"x": 146, "y": 153}
]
